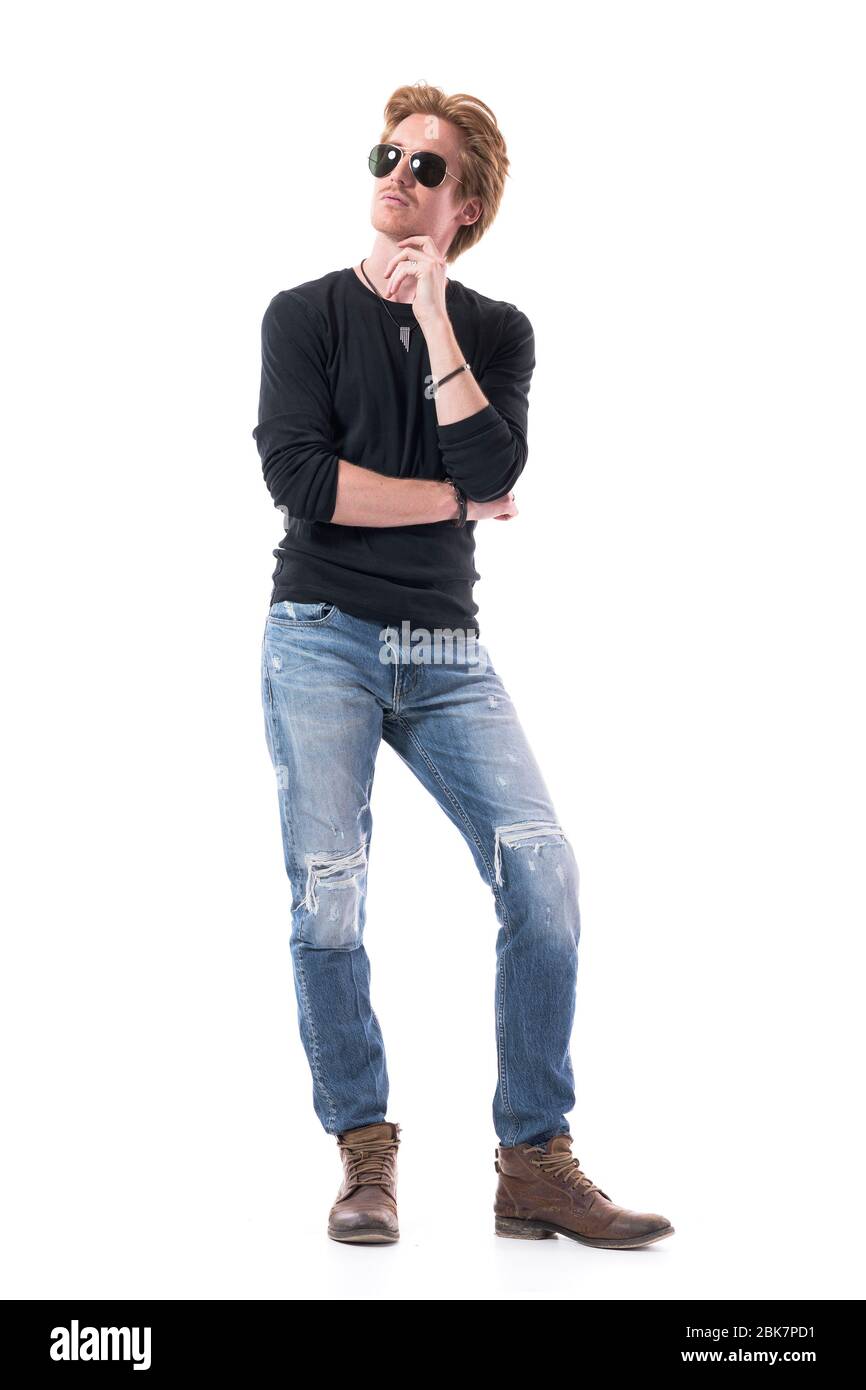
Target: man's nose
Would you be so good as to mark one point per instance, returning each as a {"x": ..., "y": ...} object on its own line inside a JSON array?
[{"x": 398, "y": 168}]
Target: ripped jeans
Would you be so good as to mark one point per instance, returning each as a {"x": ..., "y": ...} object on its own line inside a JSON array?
[{"x": 328, "y": 700}]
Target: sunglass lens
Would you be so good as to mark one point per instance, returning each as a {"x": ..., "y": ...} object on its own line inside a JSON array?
[
  {"x": 383, "y": 158},
  {"x": 429, "y": 169}
]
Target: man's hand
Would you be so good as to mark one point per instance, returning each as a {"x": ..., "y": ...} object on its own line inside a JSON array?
[
  {"x": 428, "y": 269},
  {"x": 500, "y": 509}
]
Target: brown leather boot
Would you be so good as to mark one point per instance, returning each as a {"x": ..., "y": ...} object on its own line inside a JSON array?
[
  {"x": 542, "y": 1193},
  {"x": 365, "y": 1210}
]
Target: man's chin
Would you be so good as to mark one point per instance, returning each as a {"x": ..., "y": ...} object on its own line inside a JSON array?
[{"x": 386, "y": 218}]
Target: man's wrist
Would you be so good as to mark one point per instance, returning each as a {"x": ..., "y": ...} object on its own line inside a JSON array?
[{"x": 437, "y": 325}]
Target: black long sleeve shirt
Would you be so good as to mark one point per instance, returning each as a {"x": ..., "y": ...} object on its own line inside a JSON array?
[{"x": 337, "y": 383}]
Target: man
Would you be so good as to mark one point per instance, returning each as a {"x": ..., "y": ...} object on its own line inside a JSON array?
[{"x": 392, "y": 419}]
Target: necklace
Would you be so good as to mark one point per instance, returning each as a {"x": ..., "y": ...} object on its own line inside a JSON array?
[{"x": 405, "y": 328}]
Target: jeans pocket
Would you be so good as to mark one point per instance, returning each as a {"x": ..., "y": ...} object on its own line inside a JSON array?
[{"x": 292, "y": 613}]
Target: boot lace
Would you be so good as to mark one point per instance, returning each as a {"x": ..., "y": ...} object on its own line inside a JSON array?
[
  {"x": 567, "y": 1167},
  {"x": 370, "y": 1160}
]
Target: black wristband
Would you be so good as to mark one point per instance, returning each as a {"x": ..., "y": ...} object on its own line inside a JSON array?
[
  {"x": 433, "y": 385},
  {"x": 463, "y": 502}
]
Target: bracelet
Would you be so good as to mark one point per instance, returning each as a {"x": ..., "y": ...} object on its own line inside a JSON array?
[
  {"x": 433, "y": 386},
  {"x": 462, "y": 502}
]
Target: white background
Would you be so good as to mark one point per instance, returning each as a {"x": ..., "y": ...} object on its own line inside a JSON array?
[{"x": 677, "y": 612}]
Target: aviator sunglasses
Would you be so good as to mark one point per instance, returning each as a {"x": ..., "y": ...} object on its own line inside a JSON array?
[{"x": 429, "y": 168}]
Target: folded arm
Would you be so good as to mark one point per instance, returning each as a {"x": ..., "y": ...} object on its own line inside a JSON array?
[
  {"x": 482, "y": 423},
  {"x": 304, "y": 473}
]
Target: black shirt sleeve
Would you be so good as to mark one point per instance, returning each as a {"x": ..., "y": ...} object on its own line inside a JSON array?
[
  {"x": 486, "y": 452},
  {"x": 294, "y": 436}
]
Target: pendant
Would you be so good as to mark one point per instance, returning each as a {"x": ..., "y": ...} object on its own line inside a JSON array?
[{"x": 404, "y": 335}]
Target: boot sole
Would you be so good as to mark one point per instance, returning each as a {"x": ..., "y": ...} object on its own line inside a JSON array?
[
  {"x": 365, "y": 1235},
  {"x": 514, "y": 1228}
]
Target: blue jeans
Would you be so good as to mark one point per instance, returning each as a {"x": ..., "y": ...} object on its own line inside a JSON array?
[{"x": 328, "y": 700}]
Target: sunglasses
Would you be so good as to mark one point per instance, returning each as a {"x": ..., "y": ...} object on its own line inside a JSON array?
[{"x": 429, "y": 168}]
